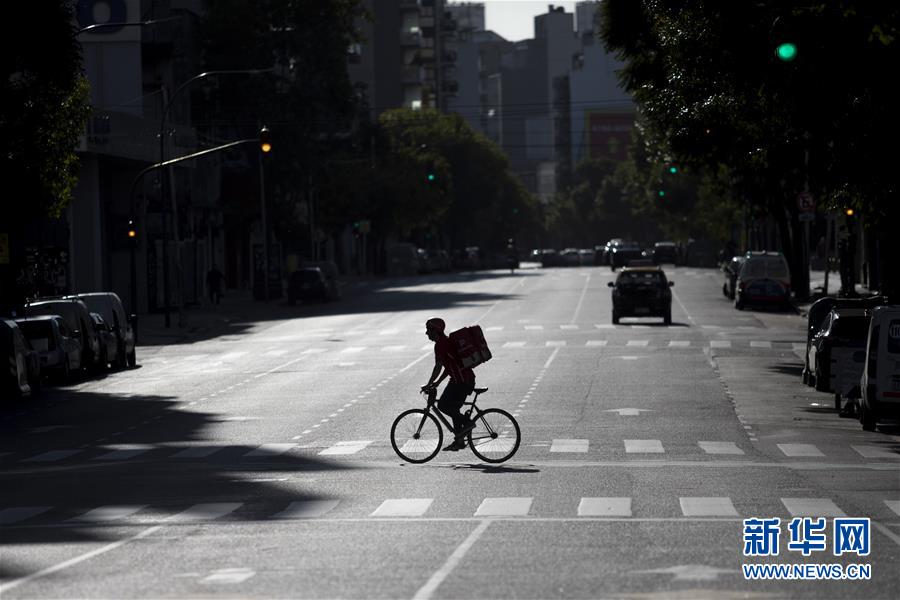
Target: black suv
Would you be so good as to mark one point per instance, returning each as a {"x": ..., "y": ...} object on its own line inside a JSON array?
[{"x": 642, "y": 292}]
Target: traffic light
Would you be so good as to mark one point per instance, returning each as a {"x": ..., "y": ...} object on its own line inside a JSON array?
[
  {"x": 673, "y": 169},
  {"x": 265, "y": 140},
  {"x": 786, "y": 51},
  {"x": 132, "y": 231},
  {"x": 849, "y": 212},
  {"x": 661, "y": 193}
]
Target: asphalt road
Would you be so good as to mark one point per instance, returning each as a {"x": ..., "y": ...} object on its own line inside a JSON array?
[{"x": 257, "y": 464}]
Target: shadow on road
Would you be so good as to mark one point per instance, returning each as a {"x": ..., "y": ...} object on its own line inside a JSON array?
[
  {"x": 795, "y": 369},
  {"x": 494, "y": 469}
]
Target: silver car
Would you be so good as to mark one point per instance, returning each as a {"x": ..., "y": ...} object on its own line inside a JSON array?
[{"x": 57, "y": 346}]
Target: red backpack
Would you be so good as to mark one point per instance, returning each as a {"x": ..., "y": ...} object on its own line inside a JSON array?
[{"x": 470, "y": 346}]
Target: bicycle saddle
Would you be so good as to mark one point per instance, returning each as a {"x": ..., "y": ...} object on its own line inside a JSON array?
[{"x": 480, "y": 390}]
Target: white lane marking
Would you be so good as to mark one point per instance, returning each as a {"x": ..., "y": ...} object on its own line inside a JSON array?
[
  {"x": 198, "y": 451},
  {"x": 604, "y": 326},
  {"x": 20, "y": 513},
  {"x": 707, "y": 507},
  {"x": 403, "y": 507},
  {"x": 105, "y": 514},
  {"x": 276, "y": 352},
  {"x": 566, "y": 445},
  {"x": 124, "y": 452},
  {"x": 812, "y": 507},
  {"x": 204, "y": 512},
  {"x": 596, "y": 343},
  {"x": 720, "y": 344},
  {"x": 415, "y": 362},
  {"x": 52, "y": 456},
  {"x": 425, "y": 592},
  {"x": 232, "y": 355},
  {"x": 629, "y": 412},
  {"x": 270, "y": 450},
  {"x": 394, "y": 348},
  {"x": 720, "y": 448},
  {"x": 584, "y": 289},
  {"x": 313, "y": 351},
  {"x": 554, "y": 344},
  {"x": 228, "y": 576},
  {"x": 504, "y": 507},
  {"x": 494, "y": 328},
  {"x": 552, "y": 356},
  {"x": 604, "y": 507},
  {"x": 307, "y": 509},
  {"x": 800, "y": 450},
  {"x": 758, "y": 344},
  {"x": 534, "y": 327},
  {"x": 427, "y": 347},
  {"x": 637, "y": 342},
  {"x": 681, "y": 304},
  {"x": 353, "y": 349},
  {"x": 514, "y": 344},
  {"x": 641, "y": 446},
  {"x": 568, "y": 327},
  {"x": 894, "y": 505},
  {"x": 679, "y": 343},
  {"x": 346, "y": 447},
  {"x": 875, "y": 452}
]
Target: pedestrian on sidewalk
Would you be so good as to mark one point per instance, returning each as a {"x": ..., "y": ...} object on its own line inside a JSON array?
[{"x": 214, "y": 281}]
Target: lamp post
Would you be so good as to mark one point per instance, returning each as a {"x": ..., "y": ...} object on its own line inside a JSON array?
[{"x": 168, "y": 101}]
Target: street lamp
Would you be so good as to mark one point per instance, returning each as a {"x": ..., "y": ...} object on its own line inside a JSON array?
[{"x": 161, "y": 181}]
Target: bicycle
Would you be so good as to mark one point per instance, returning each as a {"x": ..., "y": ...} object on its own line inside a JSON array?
[{"x": 417, "y": 436}]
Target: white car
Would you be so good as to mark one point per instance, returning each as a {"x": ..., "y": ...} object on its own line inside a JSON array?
[
  {"x": 880, "y": 381},
  {"x": 57, "y": 346}
]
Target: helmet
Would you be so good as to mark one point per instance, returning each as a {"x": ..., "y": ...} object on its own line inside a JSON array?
[{"x": 436, "y": 324}]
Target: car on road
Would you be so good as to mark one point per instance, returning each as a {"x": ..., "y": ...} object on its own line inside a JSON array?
[
  {"x": 58, "y": 348},
  {"x": 764, "y": 279},
  {"x": 110, "y": 307},
  {"x": 21, "y": 371},
  {"x": 641, "y": 292},
  {"x": 880, "y": 381},
  {"x": 665, "y": 252},
  {"x": 836, "y": 353},
  {"x": 606, "y": 250},
  {"x": 307, "y": 284},
  {"x": 79, "y": 322},
  {"x": 731, "y": 269},
  {"x": 623, "y": 253}
]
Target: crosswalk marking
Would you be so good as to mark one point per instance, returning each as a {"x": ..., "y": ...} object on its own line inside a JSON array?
[
  {"x": 504, "y": 507},
  {"x": 353, "y": 349},
  {"x": 52, "y": 456},
  {"x": 637, "y": 342},
  {"x": 9, "y": 516},
  {"x": 276, "y": 352},
  {"x": 534, "y": 327},
  {"x": 346, "y": 447},
  {"x": 389, "y": 332},
  {"x": 894, "y": 505},
  {"x": 197, "y": 452},
  {"x": 604, "y": 507},
  {"x": 720, "y": 448},
  {"x": 875, "y": 452},
  {"x": 513, "y": 344},
  {"x": 566, "y": 445},
  {"x": 313, "y": 351},
  {"x": 403, "y": 507},
  {"x": 554, "y": 344},
  {"x": 494, "y": 328},
  {"x": 596, "y": 343},
  {"x": 105, "y": 514},
  {"x": 267, "y": 450},
  {"x": 568, "y": 327},
  {"x": 720, "y": 344},
  {"x": 758, "y": 344},
  {"x": 394, "y": 348},
  {"x": 812, "y": 507},
  {"x": 205, "y": 512},
  {"x": 800, "y": 450},
  {"x": 307, "y": 509},
  {"x": 123, "y": 452},
  {"x": 707, "y": 507},
  {"x": 232, "y": 355},
  {"x": 604, "y": 326},
  {"x": 679, "y": 343},
  {"x": 640, "y": 446}
]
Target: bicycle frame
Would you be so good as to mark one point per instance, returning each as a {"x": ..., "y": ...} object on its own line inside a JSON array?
[{"x": 432, "y": 408}]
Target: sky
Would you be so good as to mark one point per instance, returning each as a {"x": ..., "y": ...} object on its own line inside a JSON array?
[{"x": 514, "y": 19}]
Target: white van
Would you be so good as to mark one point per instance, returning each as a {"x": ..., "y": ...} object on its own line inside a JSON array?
[{"x": 880, "y": 381}]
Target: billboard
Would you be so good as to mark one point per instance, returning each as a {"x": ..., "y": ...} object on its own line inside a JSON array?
[{"x": 608, "y": 134}]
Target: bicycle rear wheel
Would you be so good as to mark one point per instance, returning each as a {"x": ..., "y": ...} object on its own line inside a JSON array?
[
  {"x": 496, "y": 436},
  {"x": 416, "y": 436}
]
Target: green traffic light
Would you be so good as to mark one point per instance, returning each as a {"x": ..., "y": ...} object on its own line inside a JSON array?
[
  {"x": 662, "y": 193},
  {"x": 673, "y": 169},
  {"x": 431, "y": 177},
  {"x": 786, "y": 51}
]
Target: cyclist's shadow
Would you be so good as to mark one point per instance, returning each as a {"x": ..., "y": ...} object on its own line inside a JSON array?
[{"x": 494, "y": 468}]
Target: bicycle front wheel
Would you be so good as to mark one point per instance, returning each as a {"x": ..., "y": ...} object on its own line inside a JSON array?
[
  {"x": 496, "y": 436},
  {"x": 416, "y": 436}
]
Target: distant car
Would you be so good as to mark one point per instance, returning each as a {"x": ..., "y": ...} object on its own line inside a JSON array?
[
  {"x": 730, "y": 269},
  {"x": 764, "y": 278},
  {"x": 307, "y": 284},
  {"x": 831, "y": 354},
  {"x": 110, "y": 307},
  {"x": 109, "y": 344},
  {"x": 58, "y": 349},
  {"x": 550, "y": 258},
  {"x": 21, "y": 371},
  {"x": 641, "y": 292},
  {"x": 880, "y": 381},
  {"x": 570, "y": 257},
  {"x": 330, "y": 271},
  {"x": 665, "y": 252},
  {"x": 621, "y": 254},
  {"x": 79, "y": 321},
  {"x": 585, "y": 257}
]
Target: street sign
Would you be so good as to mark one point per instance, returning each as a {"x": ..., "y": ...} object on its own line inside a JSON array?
[{"x": 806, "y": 206}]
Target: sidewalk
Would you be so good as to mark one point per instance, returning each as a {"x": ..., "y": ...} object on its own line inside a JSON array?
[{"x": 817, "y": 288}]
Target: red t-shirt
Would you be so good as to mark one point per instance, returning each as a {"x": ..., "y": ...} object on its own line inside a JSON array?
[{"x": 446, "y": 356}]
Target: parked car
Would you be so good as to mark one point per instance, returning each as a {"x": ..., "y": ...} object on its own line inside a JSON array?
[
  {"x": 622, "y": 253},
  {"x": 329, "y": 269},
  {"x": 880, "y": 381},
  {"x": 109, "y": 344},
  {"x": 58, "y": 348},
  {"x": 570, "y": 257},
  {"x": 731, "y": 269},
  {"x": 816, "y": 314},
  {"x": 700, "y": 253},
  {"x": 21, "y": 374},
  {"x": 642, "y": 292},
  {"x": 110, "y": 307},
  {"x": 665, "y": 252},
  {"x": 585, "y": 257},
  {"x": 550, "y": 258},
  {"x": 79, "y": 322},
  {"x": 307, "y": 284},
  {"x": 831, "y": 353},
  {"x": 764, "y": 278}
]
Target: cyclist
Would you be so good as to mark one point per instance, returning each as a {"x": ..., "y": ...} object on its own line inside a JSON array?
[{"x": 462, "y": 382}]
